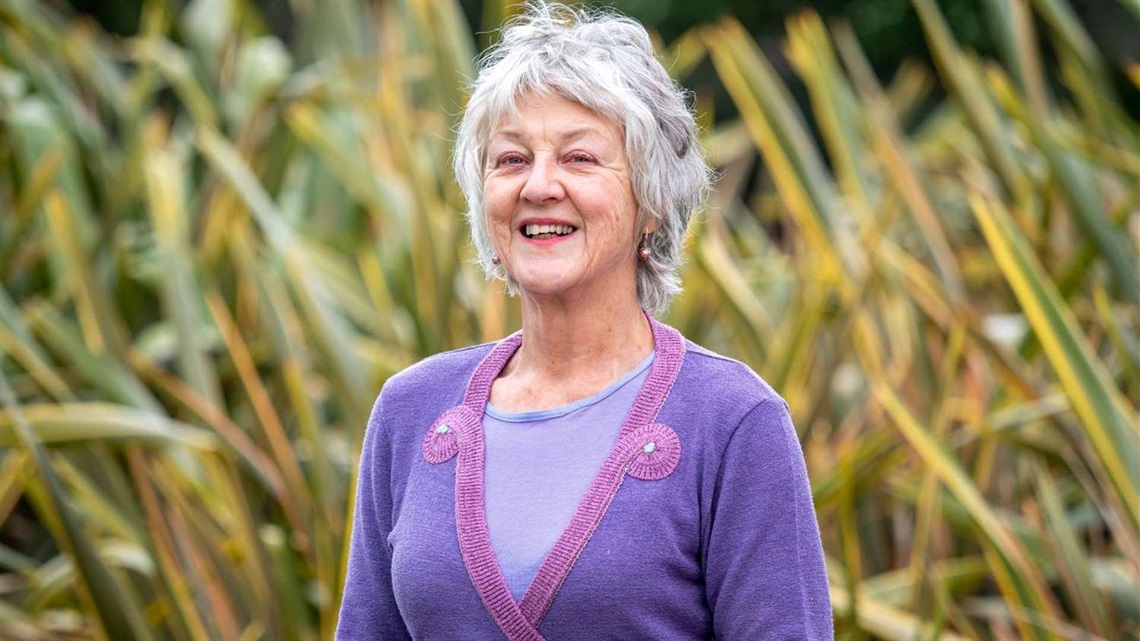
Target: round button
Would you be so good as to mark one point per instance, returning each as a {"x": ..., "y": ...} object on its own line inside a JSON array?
[
  {"x": 443, "y": 429},
  {"x": 650, "y": 447}
]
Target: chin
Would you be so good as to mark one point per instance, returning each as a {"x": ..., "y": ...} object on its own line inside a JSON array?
[
  {"x": 546, "y": 287},
  {"x": 545, "y": 290},
  {"x": 546, "y": 280}
]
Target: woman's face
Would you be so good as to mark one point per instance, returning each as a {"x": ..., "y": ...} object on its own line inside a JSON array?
[{"x": 558, "y": 200}]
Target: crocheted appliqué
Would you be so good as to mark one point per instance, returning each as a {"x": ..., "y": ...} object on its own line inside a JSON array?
[
  {"x": 659, "y": 454},
  {"x": 442, "y": 440}
]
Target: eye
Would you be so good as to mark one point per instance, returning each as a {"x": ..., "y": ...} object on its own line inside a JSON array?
[
  {"x": 579, "y": 157},
  {"x": 509, "y": 160}
]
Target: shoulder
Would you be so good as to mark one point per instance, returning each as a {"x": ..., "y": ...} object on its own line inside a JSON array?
[
  {"x": 444, "y": 369},
  {"x": 734, "y": 420},
  {"x": 729, "y": 374},
  {"x": 422, "y": 391},
  {"x": 715, "y": 395},
  {"x": 721, "y": 380}
]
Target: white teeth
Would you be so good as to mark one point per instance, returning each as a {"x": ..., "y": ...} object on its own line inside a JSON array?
[{"x": 535, "y": 230}]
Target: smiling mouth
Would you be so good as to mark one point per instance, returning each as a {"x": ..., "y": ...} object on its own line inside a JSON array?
[{"x": 543, "y": 232}]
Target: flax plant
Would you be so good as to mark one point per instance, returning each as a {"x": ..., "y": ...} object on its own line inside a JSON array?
[{"x": 214, "y": 248}]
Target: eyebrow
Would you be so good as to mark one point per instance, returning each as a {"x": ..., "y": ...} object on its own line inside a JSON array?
[{"x": 518, "y": 135}]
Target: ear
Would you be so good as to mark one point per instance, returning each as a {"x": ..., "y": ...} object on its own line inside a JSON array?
[{"x": 648, "y": 223}]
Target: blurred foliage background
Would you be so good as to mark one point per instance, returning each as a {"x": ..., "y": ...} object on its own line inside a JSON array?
[{"x": 223, "y": 224}]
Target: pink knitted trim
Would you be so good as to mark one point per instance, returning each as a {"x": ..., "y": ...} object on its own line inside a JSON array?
[
  {"x": 519, "y": 622},
  {"x": 626, "y": 455},
  {"x": 479, "y": 389},
  {"x": 475, "y": 541},
  {"x": 470, "y": 503},
  {"x": 636, "y": 432}
]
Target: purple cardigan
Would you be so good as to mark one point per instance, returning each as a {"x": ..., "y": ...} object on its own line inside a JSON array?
[{"x": 698, "y": 525}]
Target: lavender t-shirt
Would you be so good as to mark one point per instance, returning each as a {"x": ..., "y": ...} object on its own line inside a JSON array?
[{"x": 538, "y": 467}]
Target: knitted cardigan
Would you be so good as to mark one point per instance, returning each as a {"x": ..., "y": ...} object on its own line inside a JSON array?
[{"x": 698, "y": 525}]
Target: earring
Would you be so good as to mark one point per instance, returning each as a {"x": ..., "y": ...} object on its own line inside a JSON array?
[
  {"x": 495, "y": 260},
  {"x": 643, "y": 248}
]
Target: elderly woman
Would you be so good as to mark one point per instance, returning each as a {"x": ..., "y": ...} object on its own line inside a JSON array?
[{"x": 594, "y": 476}]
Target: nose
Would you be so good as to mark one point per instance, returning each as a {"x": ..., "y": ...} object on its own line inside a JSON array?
[{"x": 543, "y": 185}]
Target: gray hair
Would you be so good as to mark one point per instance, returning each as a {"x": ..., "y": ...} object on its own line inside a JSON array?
[{"x": 605, "y": 62}]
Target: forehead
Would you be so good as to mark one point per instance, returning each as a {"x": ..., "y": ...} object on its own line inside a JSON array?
[{"x": 555, "y": 119}]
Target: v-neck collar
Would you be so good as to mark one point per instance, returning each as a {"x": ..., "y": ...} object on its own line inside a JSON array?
[{"x": 644, "y": 449}]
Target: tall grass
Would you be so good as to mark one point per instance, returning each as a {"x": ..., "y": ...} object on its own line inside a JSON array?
[{"x": 214, "y": 249}]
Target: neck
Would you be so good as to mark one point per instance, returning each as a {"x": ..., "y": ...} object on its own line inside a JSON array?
[{"x": 588, "y": 338}]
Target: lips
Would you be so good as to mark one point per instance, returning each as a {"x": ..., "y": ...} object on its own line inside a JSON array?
[
  {"x": 546, "y": 231},
  {"x": 542, "y": 232}
]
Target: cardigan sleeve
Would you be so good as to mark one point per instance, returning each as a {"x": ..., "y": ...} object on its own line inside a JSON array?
[
  {"x": 368, "y": 608},
  {"x": 764, "y": 570}
]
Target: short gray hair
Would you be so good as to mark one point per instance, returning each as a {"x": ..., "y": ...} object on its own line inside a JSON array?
[{"x": 605, "y": 62}]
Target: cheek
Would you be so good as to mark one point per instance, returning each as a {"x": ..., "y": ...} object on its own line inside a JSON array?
[
  {"x": 496, "y": 203},
  {"x": 621, "y": 208},
  {"x": 498, "y": 212}
]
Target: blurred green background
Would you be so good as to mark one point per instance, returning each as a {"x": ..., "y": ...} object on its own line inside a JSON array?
[{"x": 224, "y": 223}]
